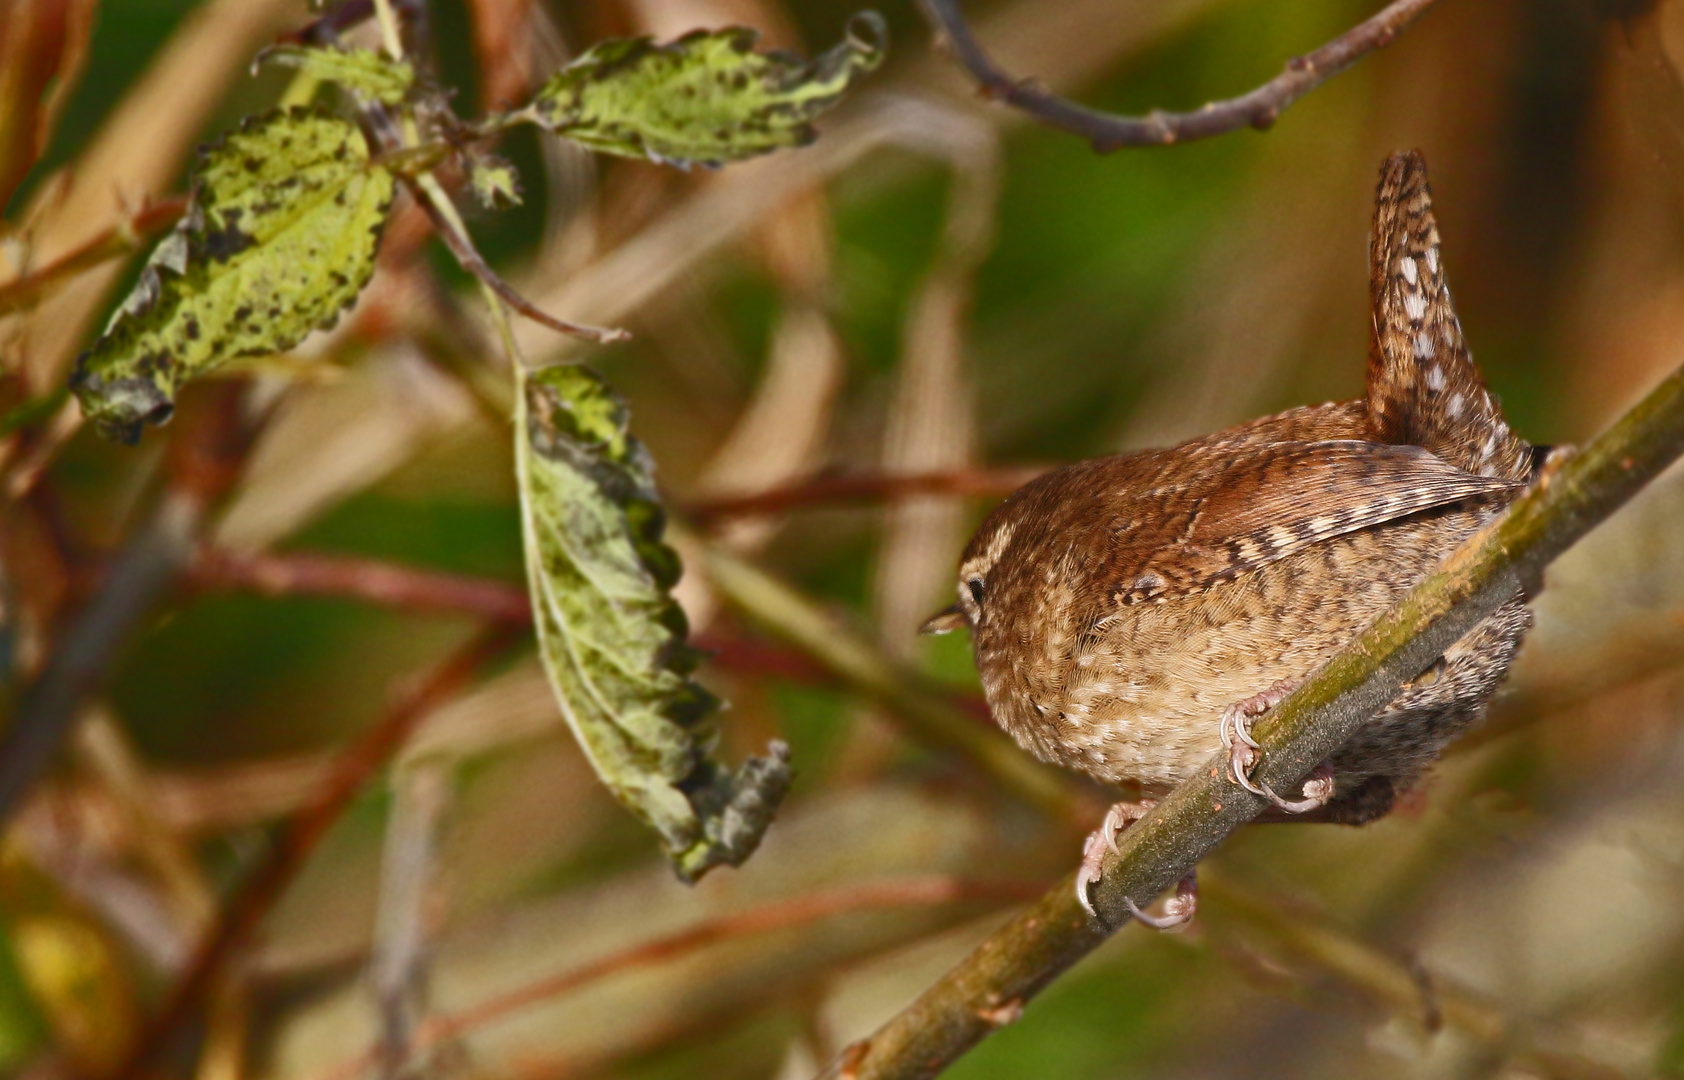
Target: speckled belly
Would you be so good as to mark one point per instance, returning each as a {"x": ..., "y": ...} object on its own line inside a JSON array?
[{"x": 1139, "y": 697}]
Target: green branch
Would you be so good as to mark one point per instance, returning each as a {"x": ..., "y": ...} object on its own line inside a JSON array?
[{"x": 990, "y": 986}]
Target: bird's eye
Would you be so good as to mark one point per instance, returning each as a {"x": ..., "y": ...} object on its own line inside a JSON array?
[{"x": 975, "y": 585}]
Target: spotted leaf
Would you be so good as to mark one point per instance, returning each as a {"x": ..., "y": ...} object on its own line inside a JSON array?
[
  {"x": 707, "y": 98},
  {"x": 611, "y": 636},
  {"x": 366, "y": 73},
  {"x": 278, "y": 239}
]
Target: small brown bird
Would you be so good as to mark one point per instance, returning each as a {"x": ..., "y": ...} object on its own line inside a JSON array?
[{"x": 1131, "y": 614}]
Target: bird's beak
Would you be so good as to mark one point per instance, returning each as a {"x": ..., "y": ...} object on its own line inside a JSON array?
[{"x": 947, "y": 619}]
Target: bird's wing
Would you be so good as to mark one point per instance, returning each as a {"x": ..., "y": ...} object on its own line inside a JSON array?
[{"x": 1263, "y": 505}]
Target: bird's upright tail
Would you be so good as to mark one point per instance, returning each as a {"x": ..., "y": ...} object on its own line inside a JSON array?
[{"x": 1423, "y": 388}]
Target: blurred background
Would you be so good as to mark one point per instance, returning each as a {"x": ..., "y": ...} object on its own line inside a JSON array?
[{"x": 936, "y": 286}]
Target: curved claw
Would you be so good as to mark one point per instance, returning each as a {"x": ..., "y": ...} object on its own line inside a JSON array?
[
  {"x": 1165, "y": 922},
  {"x": 1292, "y": 806},
  {"x": 1178, "y": 909},
  {"x": 1236, "y": 729},
  {"x": 1093, "y": 855},
  {"x": 1084, "y": 878},
  {"x": 1119, "y": 817},
  {"x": 1318, "y": 789},
  {"x": 1240, "y": 761}
]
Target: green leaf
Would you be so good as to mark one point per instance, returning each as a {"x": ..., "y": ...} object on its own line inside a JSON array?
[
  {"x": 278, "y": 239},
  {"x": 707, "y": 98},
  {"x": 612, "y": 638},
  {"x": 495, "y": 183},
  {"x": 368, "y": 74}
]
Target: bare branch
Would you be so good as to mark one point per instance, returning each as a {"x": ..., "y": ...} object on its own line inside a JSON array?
[
  {"x": 1356, "y": 963},
  {"x": 1571, "y": 496},
  {"x": 421, "y": 794},
  {"x": 412, "y": 588},
  {"x": 463, "y": 248},
  {"x": 1108, "y": 131}
]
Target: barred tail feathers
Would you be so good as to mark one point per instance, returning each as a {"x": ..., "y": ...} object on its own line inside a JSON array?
[{"x": 1423, "y": 388}]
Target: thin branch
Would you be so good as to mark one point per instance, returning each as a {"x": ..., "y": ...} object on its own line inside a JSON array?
[
  {"x": 386, "y": 584},
  {"x": 256, "y": 895},
  {"x": 103, "y": 749},
  {"x": 766, "y": 919},
  {"x": 1403, "y": 988},
  {"x": 121, "y": 239},
  {"x": 1109, "y": 131},
  {"x": 1507, "y": 558},
  {"x": 462, "y": 247},
  {"x": 199, "y": 802},
  {"x": 826, "y": 490}
]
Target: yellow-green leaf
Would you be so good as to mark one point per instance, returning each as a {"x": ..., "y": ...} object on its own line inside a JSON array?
[
  {"x": 707, "y": 98},
  {"x": 278, "y": 239},
  {"x": 366, "y": 73},
  {"x": 612, "y": 638},
  {"x": 494, "y": 181}
]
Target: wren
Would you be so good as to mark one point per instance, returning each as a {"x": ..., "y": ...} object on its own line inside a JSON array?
[{"x": 1131, "y": 614}]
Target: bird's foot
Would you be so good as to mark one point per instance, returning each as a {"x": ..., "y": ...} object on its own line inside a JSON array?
[
  {"x": 1243, "y": 753},
  {"x": 1318, "y": 792},
  {"x": 1236, "y": 731},
  {"x": 1103, "y": 839},
  {"x": 1178, "y": 909}
]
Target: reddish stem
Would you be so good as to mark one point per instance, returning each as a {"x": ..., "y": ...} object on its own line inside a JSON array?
[{"x": 383, "y": 583}]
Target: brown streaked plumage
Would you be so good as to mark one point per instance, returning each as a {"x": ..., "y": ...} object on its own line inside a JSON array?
[{"x": 1120, "y": 606}]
